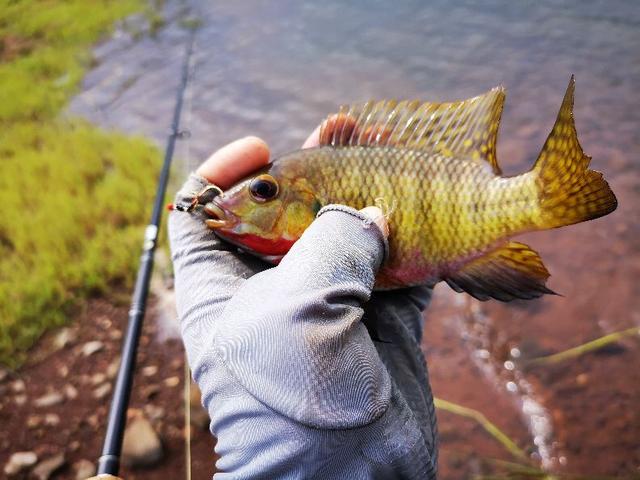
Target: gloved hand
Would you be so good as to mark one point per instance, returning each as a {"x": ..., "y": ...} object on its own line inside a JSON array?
[{"x": 293, "y": 382}]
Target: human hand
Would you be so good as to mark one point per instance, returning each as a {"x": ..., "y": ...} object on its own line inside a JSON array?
[{"x": 292, "y": 337}]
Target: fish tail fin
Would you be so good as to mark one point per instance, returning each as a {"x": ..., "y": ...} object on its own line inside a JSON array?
[{"x": 568, "y": 191}]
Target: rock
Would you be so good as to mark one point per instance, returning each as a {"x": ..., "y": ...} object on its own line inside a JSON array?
[
  {"x": 18, "y": 386},
  {"x": 154, "y": 412},
  {"x": 49, "y": 400},
  {"x": 141, "y": 446},
  {"x": 52, "y": 419},
  {"x": 102, "y": 391},
  {"x": 150, "y": 371},
  {"x": 90, "y": 348},
  {"x": 84, "y": 469},
  {"x": 70, "y": 391},
  {"x": 172, "y": 381},
  {"x": 112, "y": 369},
  {"x": 74, "y": 446},
  {"x": 33, "y": 421},
  {"x": 45, "y": 468},
  {"x": 64, "y": 337},
  {"x": 20, "y": 461},
  {"x": 63, "y": 371},
  {"x": 98, "y": 378},
  {"x": 115, "y": 334},
  {"x": 20, "y": 399}
]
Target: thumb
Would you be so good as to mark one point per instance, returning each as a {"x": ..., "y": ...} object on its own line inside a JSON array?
[{"x": 342, "y": 245}]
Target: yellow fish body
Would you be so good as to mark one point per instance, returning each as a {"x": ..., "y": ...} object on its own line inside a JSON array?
[{"x": 433, "y": 169}]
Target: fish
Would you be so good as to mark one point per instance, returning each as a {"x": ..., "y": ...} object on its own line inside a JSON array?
[{"x": 433, "y": 167}]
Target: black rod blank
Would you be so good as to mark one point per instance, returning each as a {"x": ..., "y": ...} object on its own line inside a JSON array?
[{"x": 109, "y": 461}]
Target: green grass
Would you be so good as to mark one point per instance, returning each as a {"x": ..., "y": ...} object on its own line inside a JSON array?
[{"x": 73, "y": 197}]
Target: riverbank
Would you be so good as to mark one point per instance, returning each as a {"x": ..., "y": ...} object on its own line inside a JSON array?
[{"x": 73, "y": 196}]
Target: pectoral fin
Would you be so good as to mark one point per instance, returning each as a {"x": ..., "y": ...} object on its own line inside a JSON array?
[{"x": 513, "y": 271}]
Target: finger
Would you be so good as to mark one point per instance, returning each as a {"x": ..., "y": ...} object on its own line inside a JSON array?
[
  {"x": 235, "y": 161},
  {"x": 375, "y": 214}
]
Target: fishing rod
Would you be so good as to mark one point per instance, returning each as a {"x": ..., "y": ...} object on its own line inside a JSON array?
[{"x": 109, "y": 461}]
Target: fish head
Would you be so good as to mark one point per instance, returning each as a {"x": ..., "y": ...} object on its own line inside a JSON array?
[{"x": 265, "y": 213}]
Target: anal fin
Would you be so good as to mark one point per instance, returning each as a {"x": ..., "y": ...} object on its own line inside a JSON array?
[{"x": 510, "y": 272}]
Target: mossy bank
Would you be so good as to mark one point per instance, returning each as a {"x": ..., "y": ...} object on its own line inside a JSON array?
[{"x": 73, "y": 197}]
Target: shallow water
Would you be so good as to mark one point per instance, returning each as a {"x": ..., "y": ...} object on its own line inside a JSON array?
[{"x": 275, "y": 69}]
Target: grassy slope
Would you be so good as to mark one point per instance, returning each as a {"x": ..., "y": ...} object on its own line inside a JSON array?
[{"x": 72, "y": 196}]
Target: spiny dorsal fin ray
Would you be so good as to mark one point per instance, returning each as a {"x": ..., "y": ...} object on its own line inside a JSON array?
[
  {"x": 467, "y": 129},
  {"x": 507, "y": 273}
]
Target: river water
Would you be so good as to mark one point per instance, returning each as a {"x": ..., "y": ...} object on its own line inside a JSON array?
[{"x": 275, "y": 69}]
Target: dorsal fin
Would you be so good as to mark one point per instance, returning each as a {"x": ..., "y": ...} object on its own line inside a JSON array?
[{"x": 466, "y": 129}]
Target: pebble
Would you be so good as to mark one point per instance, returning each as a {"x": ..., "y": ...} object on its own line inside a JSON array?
[
  {"x": 115, "y": 334},
  {"x": 63, "y": 371},
  {"x": 102, "y": 391},
  {"x": 84, "y": 469},
  {"x": 150, "y": 371},
  {"x": 70, "y": 391},
  {"x": 52, "y": 419},
  {"x": 172, "y": 381},
  {"x": 112, "y": 369},
  {"x": 49, "y": 400},
  {"x": 20, "y": 461},
  {"x": 18, "y": 386},
  {"x": 582, "y": 379},
  {"x": 90, "y": 348},
  {"x": 20, "y": 399},
  {"x": 98, "y": 378},
  {"x": 154, "y": 412},
  {"x": 33, "y": 421},
  {"x": 45, "y": 468},
  {"x": 64, "y": 337},
  {"x": 141, "y": 446}
]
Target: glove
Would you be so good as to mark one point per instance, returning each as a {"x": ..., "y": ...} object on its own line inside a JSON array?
[{"x": 293, "y": 382}]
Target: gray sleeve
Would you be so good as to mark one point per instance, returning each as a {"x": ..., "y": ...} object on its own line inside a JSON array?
[{"x": 281, "y": 355}]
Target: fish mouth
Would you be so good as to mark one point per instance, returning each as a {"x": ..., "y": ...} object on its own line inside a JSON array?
[{"x": 220, "y": 218}]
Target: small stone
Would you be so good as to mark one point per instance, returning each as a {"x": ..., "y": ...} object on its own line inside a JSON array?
[
  {"x": 70, "y": 391},
  {"x": 141, "y": 446},
  {"x": 104, "y": 322},
  {"x": 98, "y": 378},
  {"x": 153, "y": 412},
  {"x": 74, "y": 446},
  {"x": 150, "y": 371},
  {"x": 52, "y": 419},
  {"x": 18, "y": 386},
  {"x": 172, "y": 381},
  {"x": 115, "y": 334},
  {"x": 64, "y": 337},
  {"x": 112, "y": 369},
  {"x": 84, "y": 469},
  {"x": 20, "y": 400},
  {"x": 90, "y": 348},
  {"x": 45, "y": 468},
  {"x": 92, "y": 421},
  {"x": 33, "y": 421},
  {"x": 20, "y": 461},
  {"x": 49, "y": 400},
  {"x": 582, "y": 379},
  {"x": 102, "y": 391},
  {"x": 63, "y": 371}
]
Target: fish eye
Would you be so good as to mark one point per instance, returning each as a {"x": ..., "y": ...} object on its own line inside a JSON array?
[{"x": 263, "y": 188}]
